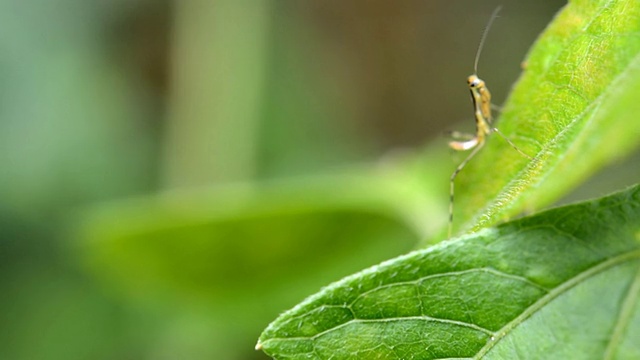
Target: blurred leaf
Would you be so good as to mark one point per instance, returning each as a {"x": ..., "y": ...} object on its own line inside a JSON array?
[
  {"x": 227, "y": 243},
  {"x": 217, "y": 250},
  {"x": 575, "y": 109},
  {"x": 534, "y": 286}
]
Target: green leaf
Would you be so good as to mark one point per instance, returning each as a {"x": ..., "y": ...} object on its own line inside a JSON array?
[
  {"x": 562, "y": 284},
  {"x": 235, "y": 241},
  {"x": 574, "y": 110}
]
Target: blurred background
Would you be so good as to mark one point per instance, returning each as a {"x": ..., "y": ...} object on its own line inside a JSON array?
[{"x": 106, "y": 104}]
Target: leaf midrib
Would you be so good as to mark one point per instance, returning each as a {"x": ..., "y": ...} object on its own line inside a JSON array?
[
  {"x": 624, "y": 317},
  {"x": 559, "y": 290}
]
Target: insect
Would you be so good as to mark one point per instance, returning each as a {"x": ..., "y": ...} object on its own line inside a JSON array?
[{"x": 481, "y": 98}]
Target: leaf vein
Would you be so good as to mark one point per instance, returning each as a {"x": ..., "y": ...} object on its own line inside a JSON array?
[
  {"x": 557, "y": 291},
  {"x": 623, "y": 317}
]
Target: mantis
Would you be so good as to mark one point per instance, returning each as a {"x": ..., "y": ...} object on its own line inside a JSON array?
[{"x": 481, "y": 98}]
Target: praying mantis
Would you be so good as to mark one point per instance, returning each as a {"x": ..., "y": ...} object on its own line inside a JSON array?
[{"x": 481, "y": 98}]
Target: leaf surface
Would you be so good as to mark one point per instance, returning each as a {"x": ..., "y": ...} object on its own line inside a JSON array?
[{"x": 560, "y": 284}]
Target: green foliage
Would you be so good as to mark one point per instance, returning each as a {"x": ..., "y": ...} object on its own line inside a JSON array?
[
  {"x": 533, "y": 286},
  {"x": 245, "y": 253},
  {"x": 187, "y": 243},
  {"x": 560, "y": 284},
  {"x": 574, "y": 109},
  {"x": 249, "y": 251}
]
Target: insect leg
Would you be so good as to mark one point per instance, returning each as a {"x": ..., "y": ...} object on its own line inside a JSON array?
[
  {"x": 452, "y": 181},
  {"x": 511, "y": 143}
]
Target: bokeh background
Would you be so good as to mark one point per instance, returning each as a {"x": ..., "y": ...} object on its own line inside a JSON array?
[{"x": 105, "y": 104}]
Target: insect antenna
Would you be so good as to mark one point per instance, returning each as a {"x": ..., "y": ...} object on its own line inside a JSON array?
[{"x": 493, "y": 17}]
